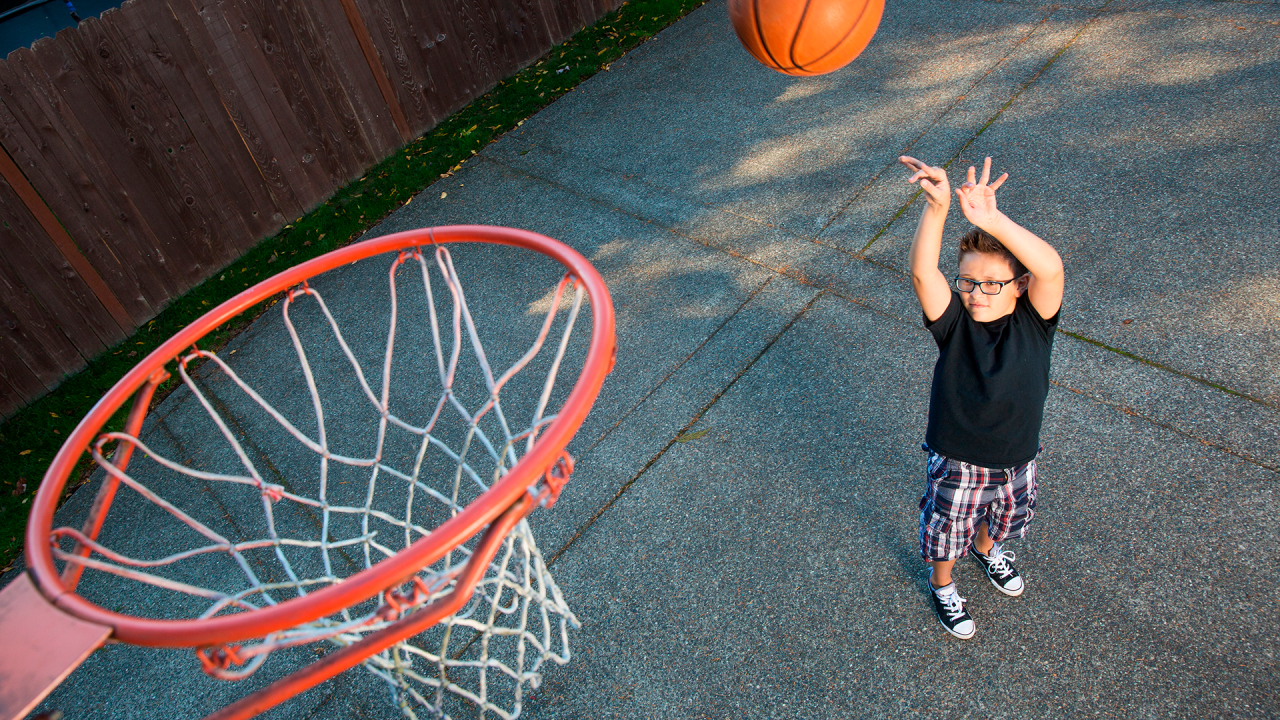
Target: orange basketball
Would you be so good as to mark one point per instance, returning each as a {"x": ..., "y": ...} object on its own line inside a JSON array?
[{"x": 805, "y": 37}]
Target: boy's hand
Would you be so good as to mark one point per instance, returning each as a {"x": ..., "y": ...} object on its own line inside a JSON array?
[
  {"x": 931, "y": 287},
  {"x": 933, "y": 180},
  {"x": 978, "y": 199}
]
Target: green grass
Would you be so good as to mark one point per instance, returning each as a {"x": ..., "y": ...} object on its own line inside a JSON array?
[{"x": 29, "y": 440}]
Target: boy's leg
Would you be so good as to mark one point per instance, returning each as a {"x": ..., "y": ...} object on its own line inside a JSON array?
[
  {"x": 941, "y": 575},
  {"x": 949, "y": 606},
  {"x": 982, "y": 541},
  {"x": 1008, "y": 516},
  {"x": 948, "y": 510}
]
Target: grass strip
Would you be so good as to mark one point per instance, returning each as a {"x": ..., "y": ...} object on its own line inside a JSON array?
[{"x": 30, "y": 439}]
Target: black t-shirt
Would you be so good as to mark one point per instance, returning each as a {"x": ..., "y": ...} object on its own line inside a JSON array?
[{"x": 989, "y": 385}]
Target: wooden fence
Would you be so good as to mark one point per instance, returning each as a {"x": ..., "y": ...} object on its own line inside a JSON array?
[{"x": 151, "y": 147}]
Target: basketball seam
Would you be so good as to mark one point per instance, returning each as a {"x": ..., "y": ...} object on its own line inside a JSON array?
[
  {"x": 755, "y": 18},
  {"x": 795, "y": 37},
  {"x": 852, "y": 27}
]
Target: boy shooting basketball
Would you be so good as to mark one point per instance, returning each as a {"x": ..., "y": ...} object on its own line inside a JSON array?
[{"x": 994, "y": 332}]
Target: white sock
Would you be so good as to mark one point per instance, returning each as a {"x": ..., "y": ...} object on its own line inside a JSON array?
[{"x": 945, "y": 589}]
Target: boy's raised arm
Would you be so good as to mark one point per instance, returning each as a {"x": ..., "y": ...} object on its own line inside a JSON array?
[
  {"x": 930, "y": 284},
  {"x": 978, "y": 202}
]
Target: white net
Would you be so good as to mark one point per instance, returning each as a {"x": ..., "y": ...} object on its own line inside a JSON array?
[{"x": 244, "y": 522}]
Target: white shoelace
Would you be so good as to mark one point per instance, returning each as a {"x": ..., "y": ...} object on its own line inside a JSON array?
[
  {"x": 999, "y": 563},
  {"x": 953, "y": 603}
]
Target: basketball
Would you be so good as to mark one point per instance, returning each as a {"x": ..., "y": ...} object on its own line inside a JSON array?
[{"x": 805, "y": 38}]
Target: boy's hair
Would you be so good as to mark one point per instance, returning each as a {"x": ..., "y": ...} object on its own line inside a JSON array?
[{"x": 980, "y": 241}]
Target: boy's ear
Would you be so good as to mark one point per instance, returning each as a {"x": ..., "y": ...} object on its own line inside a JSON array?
[{"x": 1023, "y": 282}]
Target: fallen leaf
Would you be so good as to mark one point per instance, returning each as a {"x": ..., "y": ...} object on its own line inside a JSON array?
[
  {"x": 25, "y": 452},
  {"x": 692, "y": 436},
  {"x": 21, "y": 487},
  {"x": 444, "y": 195}
]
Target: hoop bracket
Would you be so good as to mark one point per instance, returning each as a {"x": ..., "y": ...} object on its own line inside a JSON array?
[
  {"x": 554, "y": 479},
  {"x": 219, "y": 657}
]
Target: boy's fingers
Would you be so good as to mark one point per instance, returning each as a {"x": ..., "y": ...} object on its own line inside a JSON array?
[
  {"x": 999, "y": 181},
  {"x": 986, "y": 171},
  {"x": 971, "y": 175}
]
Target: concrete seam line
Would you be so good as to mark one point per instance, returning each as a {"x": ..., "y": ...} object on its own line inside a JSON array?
[
  {"x": 1018, "y": 93},
  {"x": 728, "y": 251},
  {"x": 553, "y": 557},
  {"x": 1160, "y": 366},
  {"x": 863, "y": 258},
  {"x": 941, "y": 115},
  {"x": 1160, "y": 423},
  {"x": 188, "y": 458},
  {"x": 1069, "y": 333},
  {"x": 679, "y": 365}
]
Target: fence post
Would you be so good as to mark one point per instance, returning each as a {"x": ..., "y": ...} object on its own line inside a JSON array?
[
  {"x": 375, "y": 66},
  {"x": 62, "y": 241}
]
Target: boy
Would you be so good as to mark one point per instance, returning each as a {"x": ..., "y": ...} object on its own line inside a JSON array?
[{"x": 994, "y": 333}]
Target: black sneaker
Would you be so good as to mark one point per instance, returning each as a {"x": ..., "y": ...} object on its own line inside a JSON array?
[
  {"x": 950, "y": 608},
  {"x": 999, "y": 568}
]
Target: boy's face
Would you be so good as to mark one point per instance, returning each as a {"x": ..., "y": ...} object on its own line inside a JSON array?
[{"x": 981, "y": 267}]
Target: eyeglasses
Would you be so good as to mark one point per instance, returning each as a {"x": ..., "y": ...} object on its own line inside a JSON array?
[{"x": 988, "y": 287}]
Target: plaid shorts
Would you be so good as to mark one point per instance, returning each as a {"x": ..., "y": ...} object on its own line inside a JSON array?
[{"x": 959, "y": 495}]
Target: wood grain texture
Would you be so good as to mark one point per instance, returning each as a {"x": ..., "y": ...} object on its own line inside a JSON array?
[
  {"x": 116, "y": 98},
  {"x": 291, "y": 142},
  {"x": 84, "y": 71},
  {"x": 65, "y": 169},
  {"x": 33, "y": 334},
  {"x": 374, "y": 61},
  {"x": 208, "y": 34},
  {"x": 153, "y": 146},
  {"x": 20, "y": 386},
  {"x": 352, "y": 117},
  {"x": 197, "y": 150},
  {"x": 53, "y": 282},
  {"x": 55, "y": 236}
]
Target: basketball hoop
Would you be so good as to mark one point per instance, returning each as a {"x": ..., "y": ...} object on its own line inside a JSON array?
[{"x": 427, "y": 573}]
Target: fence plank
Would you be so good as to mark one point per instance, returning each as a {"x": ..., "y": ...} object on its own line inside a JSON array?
[
  {"x": 281, "y": 45},
  {"x": 376, "y": 66},
  {"x": 55, "y": 236},
  {"x": 161, "y": 162},
  {"x": 176, "y": 63},
  {"x": 70, "y": 61},
  {"x": 369, "y": 141},
  {"x": 230, "y": 24},
  {"x": 22, "y": 385},
  {"x": 527, "y": 31},
  {"x": 340, "y": 59},
  {"x": 32, "y": 334},
  {"x": 477, "y": 42},
  {"x": 392, "y": 31},
  {"x": 195, "y": 156},
  {"x": 78, "y": 184},
  {"x": 169, "y": 136},
  {"x": 244, "y": 106},
  {"x": 52, "y": 282}
]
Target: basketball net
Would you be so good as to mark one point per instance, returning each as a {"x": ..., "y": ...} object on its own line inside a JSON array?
[{"x": 486, "y": 655}]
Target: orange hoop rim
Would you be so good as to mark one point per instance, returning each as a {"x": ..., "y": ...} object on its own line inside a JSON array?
[{"x": 386, "y": 574}]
